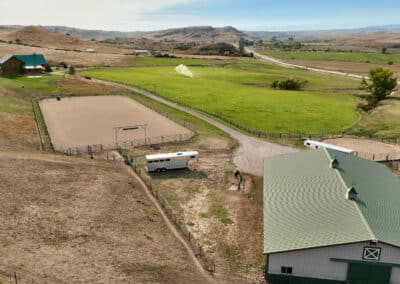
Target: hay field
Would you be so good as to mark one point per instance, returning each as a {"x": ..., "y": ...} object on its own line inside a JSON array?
[
  {"x": 82, "y": 121},
  {"x": 71, "y": 220},
  {"x": 241, "y": 92}
]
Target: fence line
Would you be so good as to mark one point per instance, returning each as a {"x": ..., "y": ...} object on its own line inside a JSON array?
[
  {"x": 98, "y": 148},
  {"x": 195, "y": 244},
  {"x": 378, "y": 157},
  {"x": 264, "y": 134}
]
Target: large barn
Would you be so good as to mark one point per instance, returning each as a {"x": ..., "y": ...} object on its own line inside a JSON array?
[
  {"x": 32, "y": 64},
  {"x": 330, "y": 217}
]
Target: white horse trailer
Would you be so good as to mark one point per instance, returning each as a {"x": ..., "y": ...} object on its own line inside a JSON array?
[
  {"x": 170, "y": 161},
  {"x": 318, "y": 145}
]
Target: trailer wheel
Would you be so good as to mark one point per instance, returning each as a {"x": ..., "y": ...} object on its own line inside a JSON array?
[
  {"x": 163, "y": 170},
  {"x": 158, "y": 170}
]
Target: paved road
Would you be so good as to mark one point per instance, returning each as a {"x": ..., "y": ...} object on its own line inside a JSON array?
[{"x": 248, "y": 157}]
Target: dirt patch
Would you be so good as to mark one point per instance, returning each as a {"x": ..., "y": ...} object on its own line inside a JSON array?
[
  {"x": 73, "y": 220},
  {"x": 368, "y": 149},
  {"x": 81, "y": 121}
]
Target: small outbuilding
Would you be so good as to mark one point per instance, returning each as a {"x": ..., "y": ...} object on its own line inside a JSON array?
[
  {"x": 141, "y": 52},
  {"x": 33, "y": 64},
  {"x": 330, "y": 224}
]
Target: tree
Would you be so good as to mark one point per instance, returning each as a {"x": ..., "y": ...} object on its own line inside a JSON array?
[
  {"x": 71, "y": 70},
  {"x": 241, "y": 46},
  {"x": 381, "y": 84},
  {"x": 384, "y": 50}
]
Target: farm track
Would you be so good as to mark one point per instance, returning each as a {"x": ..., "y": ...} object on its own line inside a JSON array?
[
  {"x": 170, "y": 225},
  {"x": 282, "y": 63},
  {"x": 248, "y": 156}
]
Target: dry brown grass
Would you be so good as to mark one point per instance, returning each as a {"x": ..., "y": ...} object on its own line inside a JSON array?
[
  {"x": 69, "y": 220},
  {"x": 78, "y": 59},
  {"x": 227, "y": 223}
]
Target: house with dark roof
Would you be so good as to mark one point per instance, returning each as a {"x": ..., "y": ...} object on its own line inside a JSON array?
[
  {"x": 32, "y": 64},
  {"x": 330, "y": 217}
]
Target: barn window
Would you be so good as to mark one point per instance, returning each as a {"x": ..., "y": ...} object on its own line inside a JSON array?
[
  {"x": 286, "y": 270},
  {"x": 372, "y": 253}
]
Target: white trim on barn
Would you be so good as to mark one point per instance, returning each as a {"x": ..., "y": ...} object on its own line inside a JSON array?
[{"x": 320, "y": 262}]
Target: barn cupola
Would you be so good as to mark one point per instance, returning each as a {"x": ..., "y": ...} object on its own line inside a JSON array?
[
  {"x": 352, "y": 193},
  {"x": 334, "y": 164}
]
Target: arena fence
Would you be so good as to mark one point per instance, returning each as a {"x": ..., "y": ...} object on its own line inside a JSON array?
[{"x": 97, "y": 148}]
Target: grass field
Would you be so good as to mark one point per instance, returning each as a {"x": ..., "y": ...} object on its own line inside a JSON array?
[
  {"x": 334, "y": 56},
  {"x": 240, "y": 91}
]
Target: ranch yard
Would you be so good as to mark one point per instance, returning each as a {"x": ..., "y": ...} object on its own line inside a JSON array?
[{"x": 82, "y": 121}]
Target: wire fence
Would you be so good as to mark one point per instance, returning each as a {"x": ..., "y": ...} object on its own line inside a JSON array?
[
  {"x": 378, "y": 157},
  {"x": 261, "y": 133},
  {"x": 196, "y": 245}
]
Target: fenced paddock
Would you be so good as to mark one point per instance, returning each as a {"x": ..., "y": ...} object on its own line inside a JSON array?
[
  {"x": 379, "y": 151},
  {"x": 92, "y": 124}
]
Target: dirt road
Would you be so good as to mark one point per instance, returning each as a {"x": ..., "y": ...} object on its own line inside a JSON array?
[
  {"x": 251, "y": 151},
  {"x": 318, "y": 70}
]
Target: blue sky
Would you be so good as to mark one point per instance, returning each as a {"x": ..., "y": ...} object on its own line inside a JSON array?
[{"x": 131, "y": 15}]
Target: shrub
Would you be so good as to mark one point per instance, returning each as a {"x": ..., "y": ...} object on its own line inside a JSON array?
[
  {"x": 72, "y": 70},
  {"x": 390, "y": 62},
  {"x": 289, "y": 84},
  {"x": 48, "y": 68}
]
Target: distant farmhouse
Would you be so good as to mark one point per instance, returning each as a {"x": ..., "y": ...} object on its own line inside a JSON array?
[
  {"x": 33, "y": 64},
  {"x": 330, "y": 217}
]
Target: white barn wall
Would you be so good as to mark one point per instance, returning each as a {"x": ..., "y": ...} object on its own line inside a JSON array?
[{"x": 316, "y": 263}]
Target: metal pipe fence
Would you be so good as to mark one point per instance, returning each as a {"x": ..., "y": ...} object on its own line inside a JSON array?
[{"x": 98, "y": 148}]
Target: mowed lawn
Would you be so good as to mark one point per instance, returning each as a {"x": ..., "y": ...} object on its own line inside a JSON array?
[
  {"x": 334, "y": 56},
  {"x": 241, "y": 91}
]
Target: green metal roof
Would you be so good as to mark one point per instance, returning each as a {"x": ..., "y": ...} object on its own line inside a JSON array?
[
  {"x": 32, "y": 59},
  {"x": 28, "y": 60},
  {"x": 305, "y": 202}
]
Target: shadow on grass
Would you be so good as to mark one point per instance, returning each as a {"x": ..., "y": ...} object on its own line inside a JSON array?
[{"x": 184, "y": 173}]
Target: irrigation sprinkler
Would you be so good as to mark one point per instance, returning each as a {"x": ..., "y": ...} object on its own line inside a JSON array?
[{"x": 130, "y": 128}]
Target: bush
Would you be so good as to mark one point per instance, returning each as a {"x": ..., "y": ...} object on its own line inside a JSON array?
[
  {"x": 289, "y": 84},
  {"x": 48, "y": 68},
  {"x": 390, "y": 62},
  {"x": 72, "y": 70}
]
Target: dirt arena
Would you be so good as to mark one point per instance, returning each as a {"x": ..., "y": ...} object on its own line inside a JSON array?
[{"x": 81, "y": 121}]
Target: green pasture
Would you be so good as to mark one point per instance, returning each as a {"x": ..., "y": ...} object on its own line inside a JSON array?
[
  {"x": 240, "y": 91},
  {"x": 334, "y": 56}
]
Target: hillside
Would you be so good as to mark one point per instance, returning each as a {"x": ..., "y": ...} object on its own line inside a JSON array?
[
  {"x": 39, "y": 37},
  {"x": 198, "y": 34},
  {"x": 91, "y": 34}
]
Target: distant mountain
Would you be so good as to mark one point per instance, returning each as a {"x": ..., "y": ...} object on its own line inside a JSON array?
[
  {"x": 308, "y": 33},
  {"x": 39, "y": 37},
  {"x": 98, "y": 35},
  {"x": 187, "y": 34},
  {"x": 198, "y": 34}
]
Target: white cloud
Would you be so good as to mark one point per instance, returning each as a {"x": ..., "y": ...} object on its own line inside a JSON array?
[{"x": 104, "y": 14}]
